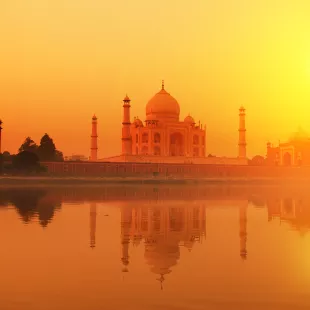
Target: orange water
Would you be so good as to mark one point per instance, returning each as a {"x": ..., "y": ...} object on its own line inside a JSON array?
[{"x": 62, "y": 252}]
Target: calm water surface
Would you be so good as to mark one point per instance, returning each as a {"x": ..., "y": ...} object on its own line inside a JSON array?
[{"x": 154, "y": 247}]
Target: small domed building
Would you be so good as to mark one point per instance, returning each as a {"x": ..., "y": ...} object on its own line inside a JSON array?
[{"x": 294, "y": 152}]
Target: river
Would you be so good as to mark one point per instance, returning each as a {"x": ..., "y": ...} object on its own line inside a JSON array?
[{"x": 154, "y": 247}]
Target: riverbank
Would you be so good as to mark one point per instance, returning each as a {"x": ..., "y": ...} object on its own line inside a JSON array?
[{"x": 49, "y": 180}]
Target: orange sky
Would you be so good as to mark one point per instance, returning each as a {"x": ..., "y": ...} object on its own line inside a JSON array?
[{"x": 63, "y": 60}]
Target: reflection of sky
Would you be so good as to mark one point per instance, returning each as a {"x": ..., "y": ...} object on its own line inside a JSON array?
[{"x": 57, "y": 264}]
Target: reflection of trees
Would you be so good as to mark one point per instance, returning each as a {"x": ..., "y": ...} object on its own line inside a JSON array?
[
  {"x": 31, "y": 203},
  {"x": 46, "y": 210},
  {"x": 25, "y": 203}
]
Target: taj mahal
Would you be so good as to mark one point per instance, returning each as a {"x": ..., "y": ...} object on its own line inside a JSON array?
[{"x": 162, "y": 137}]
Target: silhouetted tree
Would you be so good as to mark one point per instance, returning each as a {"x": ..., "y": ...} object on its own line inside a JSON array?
[
  {"x": 5, "y": 162},
  {"x": 59, "y": 156},
  {"x": 257, "y": 160},
  {"x": 6, "y": 156},
  {"x": 1, "y": 163},
  {"x": 29, "y": 145},
  {"x": 47, "y": 150},
  {"x": 26, "y": 161}
]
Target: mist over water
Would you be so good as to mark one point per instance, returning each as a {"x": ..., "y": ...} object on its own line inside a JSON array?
[{"x": 155, "y": 247}]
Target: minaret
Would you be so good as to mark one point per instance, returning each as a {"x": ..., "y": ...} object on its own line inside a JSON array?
[
  {"x": 0, "y": 134},
  {"x": 126, "y": 220},
  {"x": 126, "y": 136},
  {"x": 243, "y": 231},
  {"x": 94, "y": 138},
  {"x": 242, "y": 130},
  {"x": 93, "y": 220},
  {"x": 268, "y": 147}
]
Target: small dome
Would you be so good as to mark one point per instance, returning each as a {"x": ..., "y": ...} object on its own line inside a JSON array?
[
  {"x": 94, "y": 118},
  {"x": 189, "y": 119},
  {"x": 241, "y": 110},
  {"x": 161, "y": 257},
  {"x": 162, "y": 107},
  {"x": 137, "y": 122}
]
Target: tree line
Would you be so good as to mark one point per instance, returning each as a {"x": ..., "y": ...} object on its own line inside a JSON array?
[{"x": 30, "y": 155}]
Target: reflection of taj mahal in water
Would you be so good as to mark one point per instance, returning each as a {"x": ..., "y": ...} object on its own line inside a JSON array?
[
  {"x": 165, "y": 223},
  {"x": 164, "y": 230}
]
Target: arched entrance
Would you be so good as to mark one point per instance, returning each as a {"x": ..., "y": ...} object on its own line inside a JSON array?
[
  {"x": 156, "y": 150},
  {"x": 144, "y": 150},
  {"x": 288, "y": 205},
  {"x": 176, "y": 147},
  {"x": 287, "y": 159}
]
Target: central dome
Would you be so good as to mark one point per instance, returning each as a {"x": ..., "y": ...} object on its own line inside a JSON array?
[{"x": 162, "y": 107}]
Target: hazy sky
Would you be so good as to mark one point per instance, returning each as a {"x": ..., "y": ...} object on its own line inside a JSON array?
[{"x": 61, "y": 61}]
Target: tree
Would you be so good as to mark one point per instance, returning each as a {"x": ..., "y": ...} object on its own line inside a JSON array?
[
  {"x": 47, "y": 150},
  {"x": 6, "y": 156},
  {"x": 5, "y": 162},
  {"x": 257, "y": 160},
  {"x": 29, "y": 145},
  {"x": 26, "y": 161},
  {"x": 59, "y": 156},
  {"x": 1, "y": 162}
]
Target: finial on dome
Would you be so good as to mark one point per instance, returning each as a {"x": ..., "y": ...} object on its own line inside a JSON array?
[
  {"x": 126, "y": 98},
  {"x": 162, "y": 84}
]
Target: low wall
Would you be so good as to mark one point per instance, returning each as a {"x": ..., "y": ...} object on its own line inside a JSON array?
[
  {"x": 173, "y": 170},
  {"x": 176, "y": 160}
]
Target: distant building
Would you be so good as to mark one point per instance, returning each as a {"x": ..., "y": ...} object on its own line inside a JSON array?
[
  {"x": 294, "y": 152},
  {"x": 76, "y": 157}
]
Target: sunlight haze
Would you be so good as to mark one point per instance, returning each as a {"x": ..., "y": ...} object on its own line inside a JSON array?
[{"x": 64, "y": 60}]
